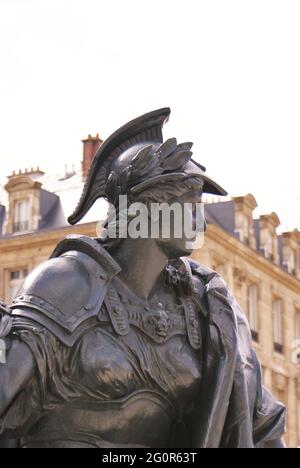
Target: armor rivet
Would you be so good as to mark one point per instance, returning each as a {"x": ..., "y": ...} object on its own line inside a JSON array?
[
  {"x": 42, "y": 303},
  {"x": 102, "y": 277},
  {"x": 88, "y": 307}
]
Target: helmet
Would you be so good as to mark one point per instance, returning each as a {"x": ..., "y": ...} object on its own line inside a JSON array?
[{"x": 135, "y": 158}]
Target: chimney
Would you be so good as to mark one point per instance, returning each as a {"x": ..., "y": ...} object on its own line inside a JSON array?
[
  {"x": 90, "y": 147},
  {"x": 34, "y": 173}
]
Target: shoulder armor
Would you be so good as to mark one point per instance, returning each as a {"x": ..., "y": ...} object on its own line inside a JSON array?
[
  {"x": 202, "y": 271},
  {"x": 207, "y": 282},
  {"x": 209, "y": 278},
  {"x": 68, "y": 289}
]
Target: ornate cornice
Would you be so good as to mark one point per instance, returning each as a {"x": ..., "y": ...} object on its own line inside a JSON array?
[
  {"x": 251, "y": 256},
  {"x": 22, "y": 182}
]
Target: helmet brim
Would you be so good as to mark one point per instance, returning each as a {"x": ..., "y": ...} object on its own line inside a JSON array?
[{"x": 192, "y": 169}]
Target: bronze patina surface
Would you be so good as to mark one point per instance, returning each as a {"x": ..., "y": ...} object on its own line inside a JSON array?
[{"x": 121, "y": 342}]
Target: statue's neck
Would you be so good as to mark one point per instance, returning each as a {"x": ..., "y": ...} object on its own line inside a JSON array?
[{"x": 143, "y": 264}]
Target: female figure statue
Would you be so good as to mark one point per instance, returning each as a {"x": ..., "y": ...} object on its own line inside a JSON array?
[{"x": 125, "y": 342}]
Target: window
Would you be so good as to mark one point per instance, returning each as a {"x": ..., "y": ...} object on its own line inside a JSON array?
[
  {"x": 21, "y": 216},
  {"x": 253, "y": 311},
  {"x": 290, "y": 261},
  {"x": 16, "y": 279},
  {"x": 268, "y": 248},
  {"x": 243, "y": 231},
  {"x": 277, "y": 326}
]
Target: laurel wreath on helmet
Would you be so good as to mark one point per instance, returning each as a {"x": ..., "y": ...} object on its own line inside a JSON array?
[{"x": 149, "y": 163}]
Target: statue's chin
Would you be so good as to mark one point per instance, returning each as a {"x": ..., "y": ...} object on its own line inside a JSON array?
[{"x": 175, "y": 248}]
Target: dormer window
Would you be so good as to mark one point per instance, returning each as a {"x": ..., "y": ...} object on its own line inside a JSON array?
[
  {"x": 244, "y": 233},
  {"x": 290, "y": 262},
  {"x": 268, "y": 236},
  {"x": 291, "y": 252},
  {"x": 24, "y": 209},
  {"x": 243, "y": 220},
  {"x": 21, "y": 216},
  {"x": 268, "y": 248}
]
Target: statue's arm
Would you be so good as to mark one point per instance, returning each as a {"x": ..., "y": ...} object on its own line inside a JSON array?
[
  {"x": 15, "y": 373},
  {"x": 59, "y": 288},
  {"x": 269, "y": 420}
]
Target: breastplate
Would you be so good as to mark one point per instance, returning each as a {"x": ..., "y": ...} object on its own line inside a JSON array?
[
  {"x": 141, "y": 420},
  {"x": 159, "y": 322},
  {"x": 138, "y": 373}
]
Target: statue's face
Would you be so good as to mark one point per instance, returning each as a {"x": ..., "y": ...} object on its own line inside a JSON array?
[{"x": 183, "y": 229}]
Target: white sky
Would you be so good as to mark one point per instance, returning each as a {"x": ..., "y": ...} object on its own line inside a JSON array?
[{"x": 230, "y": 71}]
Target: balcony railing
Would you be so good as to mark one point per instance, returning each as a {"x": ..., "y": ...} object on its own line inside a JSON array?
[{"x": 20, "y": 226}]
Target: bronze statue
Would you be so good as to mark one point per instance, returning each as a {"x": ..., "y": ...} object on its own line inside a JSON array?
[{"x": 122, "y": 342}]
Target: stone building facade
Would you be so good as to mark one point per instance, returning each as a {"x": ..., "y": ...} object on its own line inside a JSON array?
[
  {"x": 261, "y": 267},
  {"x": 263, "y": 271}
]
